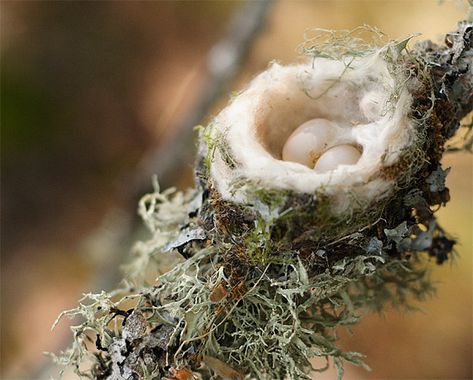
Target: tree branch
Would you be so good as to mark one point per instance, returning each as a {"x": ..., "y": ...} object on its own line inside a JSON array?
[{"x": 223, "y": 62}]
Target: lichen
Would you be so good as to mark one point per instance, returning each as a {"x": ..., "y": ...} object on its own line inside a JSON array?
[{"x": 251, "y": 313}]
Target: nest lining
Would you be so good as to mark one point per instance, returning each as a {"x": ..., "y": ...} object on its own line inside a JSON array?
[{"x": 360, "y": 96}]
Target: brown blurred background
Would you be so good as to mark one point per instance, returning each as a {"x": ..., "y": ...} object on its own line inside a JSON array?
[{"x": 89, "y": 89}]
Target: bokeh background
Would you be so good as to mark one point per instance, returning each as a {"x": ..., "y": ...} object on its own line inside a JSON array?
[{"x": 91, "y": 90}]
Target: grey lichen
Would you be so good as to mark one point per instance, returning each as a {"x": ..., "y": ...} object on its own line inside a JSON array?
[{"x": 258, "y": 289}]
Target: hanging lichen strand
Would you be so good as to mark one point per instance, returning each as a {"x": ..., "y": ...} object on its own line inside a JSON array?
[{"x": 270, "y": 254}]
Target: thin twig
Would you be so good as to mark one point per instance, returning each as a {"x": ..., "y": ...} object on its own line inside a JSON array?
[{"x": 223, "y": 62}]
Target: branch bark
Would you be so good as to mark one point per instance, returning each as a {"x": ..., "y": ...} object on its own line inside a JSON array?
[{"x": 451, "y": 70}]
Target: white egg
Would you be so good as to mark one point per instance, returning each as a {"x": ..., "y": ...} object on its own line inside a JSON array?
[
  {"x": 338, "y": 155},
  {"x": 308, "y": 141}
]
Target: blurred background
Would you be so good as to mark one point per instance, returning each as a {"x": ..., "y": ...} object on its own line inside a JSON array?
[{"x": 97, "y": 96}]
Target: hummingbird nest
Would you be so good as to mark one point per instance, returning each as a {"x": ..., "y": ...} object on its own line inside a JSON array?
[{"x": 270, "y": 256}]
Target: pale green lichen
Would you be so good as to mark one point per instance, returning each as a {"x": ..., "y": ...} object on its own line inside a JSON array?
[
  {"x": 339, "y": 44},
  {"x": 270, "y": 313}
]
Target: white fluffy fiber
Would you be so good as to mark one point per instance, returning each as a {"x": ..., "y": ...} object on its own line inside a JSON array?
[{"x": 355, "y": 94}]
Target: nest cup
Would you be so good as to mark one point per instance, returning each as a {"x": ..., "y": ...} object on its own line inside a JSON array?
[{"x": 367, "y": 102}]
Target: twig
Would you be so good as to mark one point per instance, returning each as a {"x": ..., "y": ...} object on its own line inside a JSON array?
[{"x": 223, "y": 62}]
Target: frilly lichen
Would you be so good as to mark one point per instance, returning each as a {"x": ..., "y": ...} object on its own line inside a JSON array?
[{"x": 251, "y": 316}]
